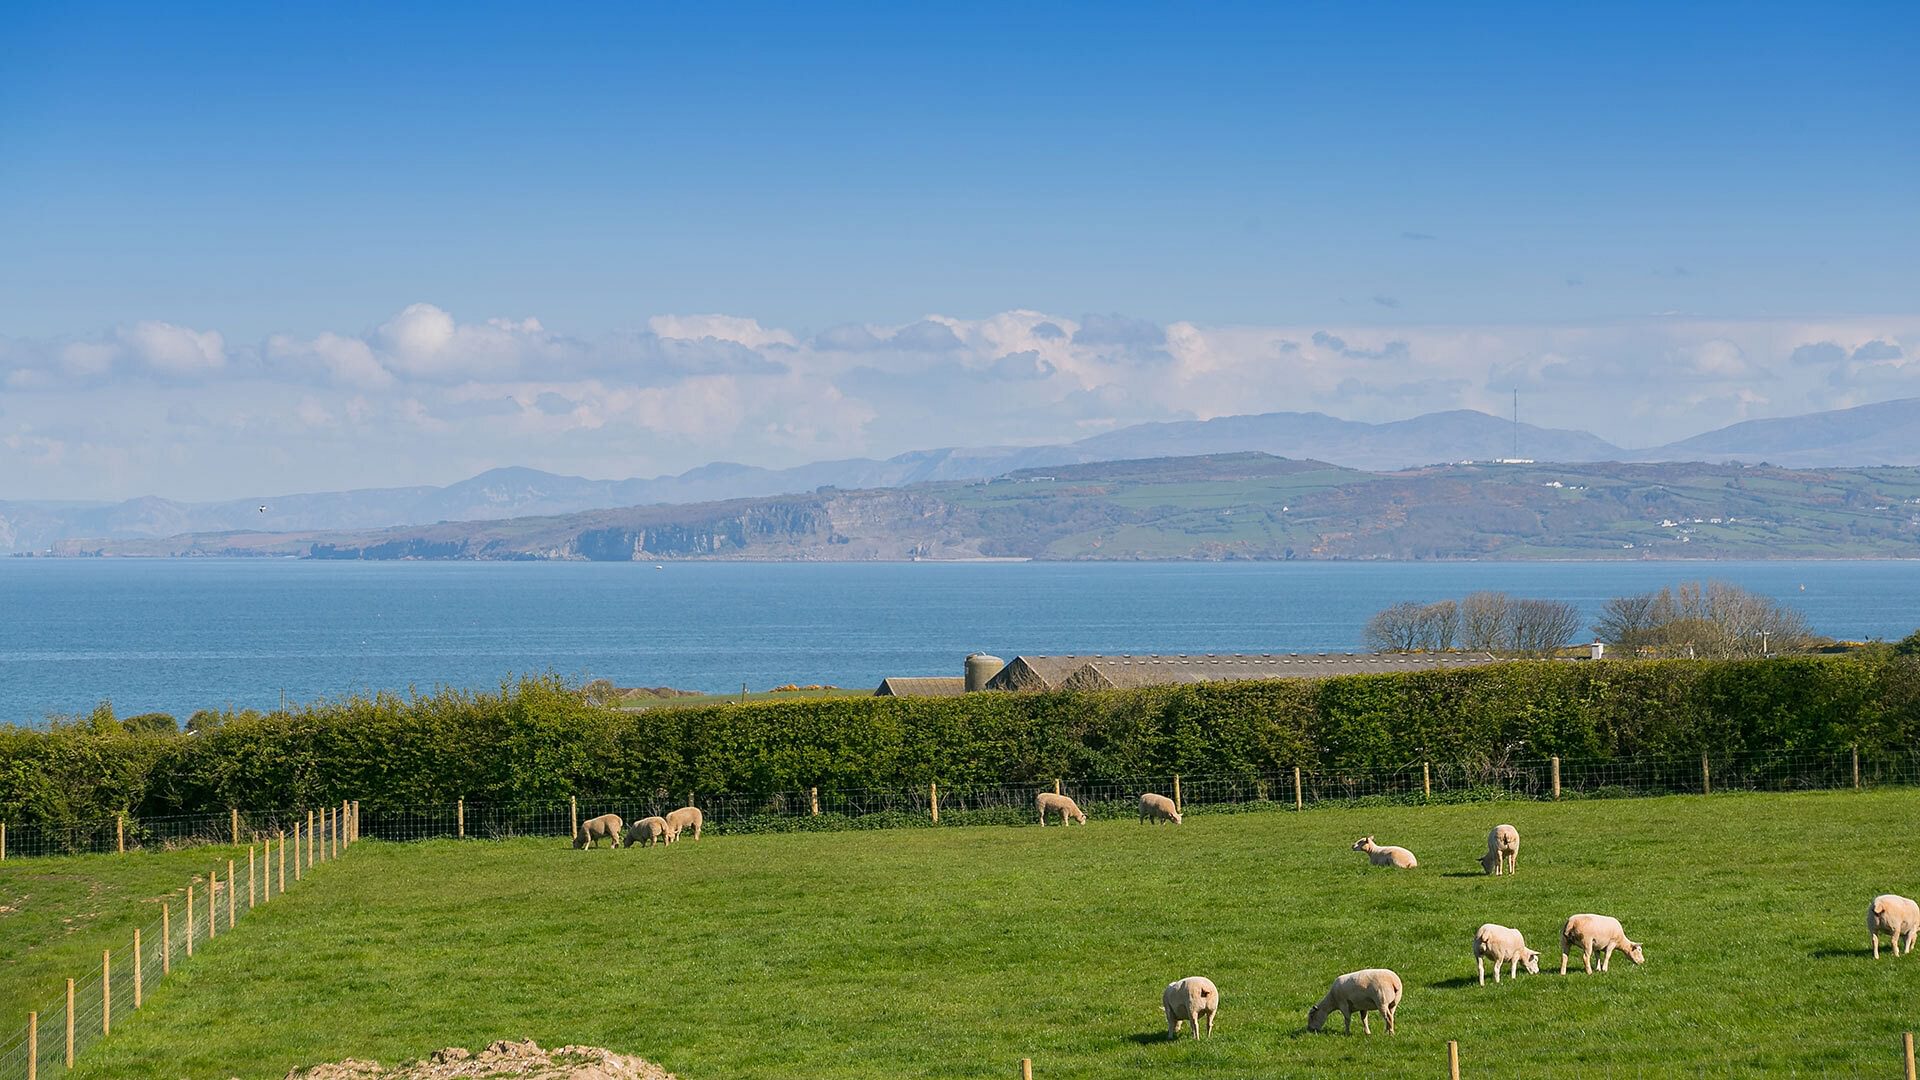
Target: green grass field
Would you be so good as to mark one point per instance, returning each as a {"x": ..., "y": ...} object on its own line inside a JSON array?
[{"x": 955, "y": 952}]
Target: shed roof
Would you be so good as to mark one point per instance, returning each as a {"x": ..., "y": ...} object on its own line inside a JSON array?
[{"x": 921, "y": 686}]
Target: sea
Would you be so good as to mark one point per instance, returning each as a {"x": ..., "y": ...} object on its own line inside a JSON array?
[{"x": 181, "y": 635}]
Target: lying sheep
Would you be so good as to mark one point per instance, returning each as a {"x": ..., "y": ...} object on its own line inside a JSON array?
[
  {"x": 605, "y": 827},
  {"x": 1047, "y": 800},
  {"x": 1386, "y": 856},
  {"x": 1158, "y": 808},
  {"x": 1590, "y": 932},
  {"x": 1193, "y": 999},
  {"x": 1503, "y": 945},
  {"x": 679, "y": 820},
  {"x": 650, "y": 830},
  {"x": 1895, "y": 916},
  {"x": 1503, "y": 850},
  {"x": 1375, "y": 989}
]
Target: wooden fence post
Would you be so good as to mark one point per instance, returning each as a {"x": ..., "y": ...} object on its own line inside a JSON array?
[
  {"x": 106, "y": 992},
  {"x": 250, "y": 874},
  {"x": 33, "y": 1046},
  {"x": 1906, "y": 1047},
  {"x": 309, "y": 840},
  {"x": 1556, "y": 778},
  {"x": 136, "y": 967},
  {"x": 166, "y": 940},
  {"x": 3, "y": 841},
  {"x": 296, "y": 854},
  {"x": 1026, "y": 1069},
  {"x": 69, "y": 1023},
  {"x": 234, "y": 823},
  {"x": 213, "y": 904},
  {"x": 1856, "y": 766},
  {"x": 1426, "y": 779},
  {"x": 933, "y": 798},
  {"x": 1706, "y": 778},
  {"x": 230, "y": 891},
  {"x": 1056, "y": 785},
  {"x": 1453, "y": 1059},
  {"x": 1176, "y": 793},
  {"x": 813, "y": 800},
  {"x": 573, "y": 815},
  {"x": 460, "y": 812},
  {"x": 1299, "y": 801},
  {"x": 189, "y": 920},
  {"x": 120, "y": 833}
]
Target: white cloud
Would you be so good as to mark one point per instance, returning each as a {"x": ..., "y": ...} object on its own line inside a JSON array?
[
  {"x": 733, "y": 328},
  {"x": 175, "y": 350}
]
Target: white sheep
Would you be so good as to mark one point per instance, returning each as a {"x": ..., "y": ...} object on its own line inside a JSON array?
[
  {"x": 1503, "y": 850},
  {"x": 605, "y": 827},
  {"x": 679, "y": 820},
  {"x": 1194, "y": 1000},
  {"x": 648, "y": 830},
  {"x": 1503, "y": 945},
  {"x": 1590, "y": 932},
  {"x": 1158, "y": 808},
  {"x": 1897, "y": 917},
  {"x": 1047, "y": 800},
  {"x": 1386, "y": 856},
  {"x": 1372, "y": 990}
]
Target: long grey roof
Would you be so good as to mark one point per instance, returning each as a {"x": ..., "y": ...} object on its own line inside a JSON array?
[
  {"x": 1098, "y": 672},
  {"x": 921, "y": 686}
]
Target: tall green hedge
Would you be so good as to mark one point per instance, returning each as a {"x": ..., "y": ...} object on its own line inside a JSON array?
[{"x": 540, "y": 740}]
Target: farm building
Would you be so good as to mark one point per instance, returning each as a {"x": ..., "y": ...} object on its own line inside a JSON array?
[
  {"x": 1115, "y": 672},
  {"x": 922, "y": 686}
]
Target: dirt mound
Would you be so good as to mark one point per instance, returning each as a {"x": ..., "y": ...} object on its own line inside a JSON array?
[{"x": 502, "y": 1060}]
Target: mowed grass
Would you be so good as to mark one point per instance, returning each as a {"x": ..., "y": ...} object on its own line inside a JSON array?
[
  {"x": 956, "y": 952},
  {"x": 57, "y": 914}
]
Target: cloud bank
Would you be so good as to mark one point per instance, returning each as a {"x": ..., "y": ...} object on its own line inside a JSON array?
[{"x": 426, "y": 395}]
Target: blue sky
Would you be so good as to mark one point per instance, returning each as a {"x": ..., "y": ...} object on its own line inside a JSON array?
[{"x": 1505, "y": 191}]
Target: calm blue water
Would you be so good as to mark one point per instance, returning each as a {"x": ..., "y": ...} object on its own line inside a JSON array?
[{"x": 187, "y": 634}]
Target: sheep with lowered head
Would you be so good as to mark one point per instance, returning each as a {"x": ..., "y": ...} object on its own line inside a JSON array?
[
  {"x": 1895, "y": 916},
  {"x": 1386, "y": 856},
  {"x": 1047, "y": 800},
  {"x": 605, "y": 827},
  {"x": 1503, "y": 945},
  {"x": 1503, "y": 850},
  {"x": 1363, "y": 992},
  {"x": 682, "y": 819},
  {"x": 1193, "y": 1000},
  {"x": 1158, "y": 808},
  {"x": 1590, "y": 932},
  {"x": 648, "y": 830}
]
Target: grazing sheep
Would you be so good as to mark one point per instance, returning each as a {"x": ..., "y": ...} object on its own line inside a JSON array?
[
  {"x": 1895, "y": 916},
  {"x": 1503, "y": 850},
  {"x": 1590, "y": 932},
  {"x": 1193, "y": 999},
  {"x": 1158, "y": 808},
  {"x": 679, "y": 820},
  {"x": 1375, "y": 989},
  {"x": 1386, "y": 856},
  {"x": 650, "y": 830},
  {"x": 1503, "y": 945},
  {"x": 605, "y": 827},
  {"x": 1047, "y": 800}
]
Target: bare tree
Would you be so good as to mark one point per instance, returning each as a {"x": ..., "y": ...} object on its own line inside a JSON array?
[
  {"x": 1627, "y": 621},
  {"x": 1438, "y": 625},
  {"x": 1540, "y": 627},
  {"x": 1483, "y": 621},
  {"x": 1395, "y": 629},
  {"x": 1716, "y": 620}
]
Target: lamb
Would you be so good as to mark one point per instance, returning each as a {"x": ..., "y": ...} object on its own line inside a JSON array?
[
  {"x": 1503, "y": 850},
  {"x": 1503, "y": 945},
  {"x": 1158, "y": 808},
  {"x": 1047, "y": 800},
  {"x": 1386, "y": 856},
  {"x": 1193, "y": 999},
  {"x": 1590, "y": 932},
  {"x": 1895, "y": 916},
  {"x": 605, "y": 827},
  {"x": 678, "y": 821},
  {"x": 1375, "y": 989},
  {"x": 651, "y": 830}
]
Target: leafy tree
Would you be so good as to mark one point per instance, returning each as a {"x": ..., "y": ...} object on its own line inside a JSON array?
[{"x": 152, "y": 722}]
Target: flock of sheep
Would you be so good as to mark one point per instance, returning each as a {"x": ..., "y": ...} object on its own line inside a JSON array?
[{"x": 1195, "y": 1001}]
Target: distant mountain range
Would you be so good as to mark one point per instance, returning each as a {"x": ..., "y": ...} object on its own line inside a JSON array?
[
  {"x": 1225, "y": 506},
  {"x": 1869, "y": 435}
]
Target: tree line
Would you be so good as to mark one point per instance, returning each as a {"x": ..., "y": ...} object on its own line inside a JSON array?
[{"x": 1711, "y": 620}]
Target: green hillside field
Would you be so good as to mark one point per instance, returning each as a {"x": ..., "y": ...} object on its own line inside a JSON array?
[{"x": 955, "y": 952}]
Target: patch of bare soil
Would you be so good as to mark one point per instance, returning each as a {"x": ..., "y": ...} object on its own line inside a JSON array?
[{"x": 503, "y": 1060}]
